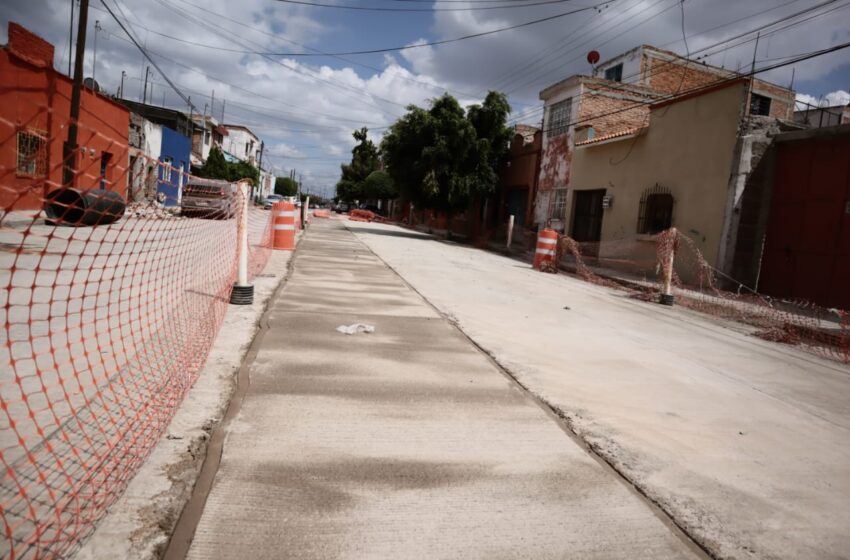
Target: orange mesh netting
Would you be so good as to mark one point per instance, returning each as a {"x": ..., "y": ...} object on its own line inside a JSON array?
[
  {"x": 104, "y": 328},
  {"x": 638, "y": 266}
]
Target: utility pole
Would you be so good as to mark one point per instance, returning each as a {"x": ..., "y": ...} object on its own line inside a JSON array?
[
  {"x": 70, "y": 151},
  {"x": 121, "y": 90},
  {"x": 262, "y": 147},
  {"x": 94, "y": 59},
  {"x": 212, "y": 103},
  {"x": 222, "y": 109},
  {"x": 145, "y": 94},
  {"x": 71, "y": 37}
]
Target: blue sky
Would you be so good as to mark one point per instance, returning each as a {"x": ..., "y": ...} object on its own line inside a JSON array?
[{"x": 305, "y": 108}]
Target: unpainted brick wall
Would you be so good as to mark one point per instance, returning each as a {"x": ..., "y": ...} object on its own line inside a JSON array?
[{"x": 609, "y": 110}]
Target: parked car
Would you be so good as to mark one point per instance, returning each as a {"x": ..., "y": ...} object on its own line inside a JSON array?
[
  {"x": 270, "y": 200},
  {"x": 341, "y": 208},
  {"x": 209, "y": 198}
]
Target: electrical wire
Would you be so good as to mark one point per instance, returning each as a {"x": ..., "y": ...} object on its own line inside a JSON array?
[{"x": 384, "y": 9}]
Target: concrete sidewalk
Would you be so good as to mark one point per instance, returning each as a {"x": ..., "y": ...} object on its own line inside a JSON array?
[
  {"x": 405, "y": 443},
  {"x": 742, "y": 441}
]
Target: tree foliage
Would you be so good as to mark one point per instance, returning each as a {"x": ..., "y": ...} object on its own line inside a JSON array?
[
  {"x": 216, "y": 167},
  {"x": 442, "y": 157},
  {"x": 365, "y": 159},
  {"x": 379, "y": 186},
  {"x": 285, "y": 186}
]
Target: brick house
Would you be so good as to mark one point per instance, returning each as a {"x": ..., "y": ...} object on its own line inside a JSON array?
[
  {"x": 616, "y": 101},
  {"x": 35, "y": 105}
]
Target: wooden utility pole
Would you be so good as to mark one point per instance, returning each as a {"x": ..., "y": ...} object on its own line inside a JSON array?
[
  {"x": 145, "y": 94},
  {"x": 70, "y": 148}
]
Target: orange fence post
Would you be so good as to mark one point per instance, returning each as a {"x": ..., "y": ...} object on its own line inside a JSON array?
[
  {"x": 547, "y": 244},
  {"x": 284, "y": 226}
]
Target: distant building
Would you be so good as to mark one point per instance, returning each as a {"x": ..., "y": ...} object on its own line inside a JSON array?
[
  {"x": 517, "y": 186},
  {"x": 34, "y": 113},
  {"x": 163, "y": 148},
  {"x": 241, "y": 143},
  {"x": 819, "y": 117},
  {"x": 206, "y": 133}
]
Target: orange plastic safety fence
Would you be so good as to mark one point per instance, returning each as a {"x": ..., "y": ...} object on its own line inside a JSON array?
[
  {"x": 103, "y": 329},
  {"x": 638, "y": 266}
]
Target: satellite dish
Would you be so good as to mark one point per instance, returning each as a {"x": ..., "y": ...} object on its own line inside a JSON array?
[
  {"x": 91, "y": 84},
  {"x": 593, "y": 57}
]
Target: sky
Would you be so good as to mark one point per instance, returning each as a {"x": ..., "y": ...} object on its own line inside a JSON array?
[{"x": 251, "y": 54}]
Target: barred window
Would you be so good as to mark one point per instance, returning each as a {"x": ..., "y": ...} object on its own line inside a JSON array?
[
  {"x": 32, "y": 154},
  {"x": 167, "y": 162},
  {"x": 559, "y": 117},
  {"x": 559, "y": 207},
  {"x": 655, "y": 213}
]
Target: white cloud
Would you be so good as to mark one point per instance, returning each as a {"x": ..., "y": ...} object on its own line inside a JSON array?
[{"x": 831, "y": 99}]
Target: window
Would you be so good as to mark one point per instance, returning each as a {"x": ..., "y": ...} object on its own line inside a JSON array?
[
  {"x": 655, "y": 213},
  {"x": 559, "y": 117},
  {"x": 166, "y": 168},
  {"x": 105, "y": 158},
  {"x": 759, "y": 105},
  {"x": 32, "y": 154},
  {"x": 559, "y": 206},
  {"x": 206, "y": 137},
  {"x": 615, "y": 73}
]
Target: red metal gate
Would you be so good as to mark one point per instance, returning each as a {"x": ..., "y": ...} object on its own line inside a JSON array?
[{"x": 807, "y": 249}]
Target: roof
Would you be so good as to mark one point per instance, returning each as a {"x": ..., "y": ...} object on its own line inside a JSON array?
[
  {"x": 526, "y": 131},
  {"x": 623, "y": 133},
  {"x": 241, "y": 127}
]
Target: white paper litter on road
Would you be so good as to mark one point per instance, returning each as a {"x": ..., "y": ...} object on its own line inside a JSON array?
[{"x": 355, "y": 328}]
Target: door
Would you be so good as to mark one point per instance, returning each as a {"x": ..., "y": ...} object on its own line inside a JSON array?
[
  {"x": 587, "y": 215},
  {"x": 518, "y": 205}
]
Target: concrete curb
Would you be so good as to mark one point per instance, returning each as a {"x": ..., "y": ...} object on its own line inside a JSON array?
[{"x": 140, "y": 523}]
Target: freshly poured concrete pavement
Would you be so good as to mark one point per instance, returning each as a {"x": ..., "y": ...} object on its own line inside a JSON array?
[{"x": 405, "y": 443}]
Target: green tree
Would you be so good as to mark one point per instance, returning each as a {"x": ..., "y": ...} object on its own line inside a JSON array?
[
  {"x": 442, "y": 157},
  {"x": 365, "y": 159},
  {"x": 216, "y": 167},
  {"x": 379, "y": 186},
  {"x": 285, "y": 186}
]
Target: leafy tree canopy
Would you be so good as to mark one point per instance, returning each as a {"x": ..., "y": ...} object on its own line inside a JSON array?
[
  {"x": 216, "y": 167},
  {"x": 365, "y": 159},
  {"x": 441, "y": 157},
  {"x": 379, "y": 186},
  {"x": 285, "y": 186}
]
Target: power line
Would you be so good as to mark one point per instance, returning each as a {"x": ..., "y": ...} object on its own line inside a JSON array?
[
  {"x": 304, "y": 71},
  {"x": 703, "y": 87},
  {"x": 671, "y": 65},
  {"x": 385, "y": 9},
  {"x": 463, "y": 38},
  {"x": 144, "y": 52}
]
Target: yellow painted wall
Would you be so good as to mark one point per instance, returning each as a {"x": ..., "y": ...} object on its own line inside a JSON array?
[{"x": 688, "y": 148}]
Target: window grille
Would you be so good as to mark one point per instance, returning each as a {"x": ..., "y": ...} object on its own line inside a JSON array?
[
  {"x": 32, "y": 154},
  {"x": 655, "y": 213},
  {"x": 559, "y": 117}
]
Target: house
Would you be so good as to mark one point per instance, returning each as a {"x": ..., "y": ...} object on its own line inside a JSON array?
[
  {"x": 517, "y": 186},
  {"x": 242, "y": 143},
  {"x": 206, "y": 133},
  {"x": 35, "y": 105},
  {"x": 676, "y": 170},
  {"x": 161, "y": 158},
  {"x": 616, "y": 100},
  {"x": 145, "y": 140}
]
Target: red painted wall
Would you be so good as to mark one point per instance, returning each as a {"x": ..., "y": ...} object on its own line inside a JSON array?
[
  {"x": 34, "y": 97},
  {"x": 807, "y": 249}
]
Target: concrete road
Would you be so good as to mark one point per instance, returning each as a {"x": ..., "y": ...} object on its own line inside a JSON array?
[
  {"x": 404, "y": 443},
  {"x": 743, "y": 442}
]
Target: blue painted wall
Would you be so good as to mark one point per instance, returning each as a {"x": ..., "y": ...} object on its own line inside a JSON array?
[{"x": 175, "y": 149}]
